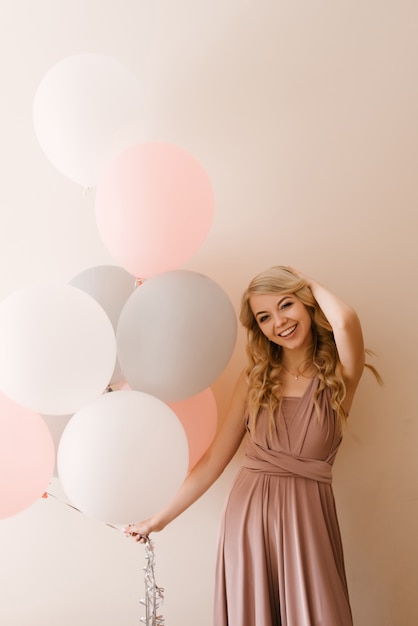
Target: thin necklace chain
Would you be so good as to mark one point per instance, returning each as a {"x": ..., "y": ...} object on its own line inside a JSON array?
[{"x": 295, "y": 376}]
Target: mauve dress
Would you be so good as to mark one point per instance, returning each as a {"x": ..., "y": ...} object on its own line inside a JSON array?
[{"x": 280, "y": 557}]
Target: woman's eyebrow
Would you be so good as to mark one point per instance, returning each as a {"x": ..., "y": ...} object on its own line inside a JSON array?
[{"x": 278, "y": 304}]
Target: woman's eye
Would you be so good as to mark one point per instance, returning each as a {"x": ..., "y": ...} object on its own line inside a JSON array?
[
  {"x": 262, "y": 318},
  {"x": 286, "y": 305}
]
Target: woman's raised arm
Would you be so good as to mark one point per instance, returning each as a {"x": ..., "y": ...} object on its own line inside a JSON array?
[{"x": 347, "y": 331}]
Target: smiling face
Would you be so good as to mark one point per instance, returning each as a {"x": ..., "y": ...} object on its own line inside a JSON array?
[{"x": 283, "y": 319}]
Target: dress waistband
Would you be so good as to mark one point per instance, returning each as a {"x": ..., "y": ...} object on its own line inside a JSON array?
[{"x": 282, "y": 464}]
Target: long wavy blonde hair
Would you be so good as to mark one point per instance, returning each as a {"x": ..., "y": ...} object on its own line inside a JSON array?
[{"x": 264, "y": 357}]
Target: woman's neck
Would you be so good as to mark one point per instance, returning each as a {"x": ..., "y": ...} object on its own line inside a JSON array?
[{"x": 298, "y": 363}]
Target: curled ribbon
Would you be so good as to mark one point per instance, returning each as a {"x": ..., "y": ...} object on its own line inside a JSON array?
[{"x": 154, "y": 595}]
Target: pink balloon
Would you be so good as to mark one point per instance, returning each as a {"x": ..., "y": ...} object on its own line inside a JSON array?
[
  {"x": 199, "y": 417},
  {"x": 27, "y": 457},
  {"x": 154, "y": 208}
]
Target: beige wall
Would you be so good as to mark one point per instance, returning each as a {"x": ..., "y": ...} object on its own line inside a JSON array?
[{"x": 304, "y": 114}]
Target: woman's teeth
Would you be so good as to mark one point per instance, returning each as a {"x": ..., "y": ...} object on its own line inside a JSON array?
[{"x": 287, "y": 332}]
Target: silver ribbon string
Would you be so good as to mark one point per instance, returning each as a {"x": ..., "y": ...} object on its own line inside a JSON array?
[{"x": 154, "y": 595}]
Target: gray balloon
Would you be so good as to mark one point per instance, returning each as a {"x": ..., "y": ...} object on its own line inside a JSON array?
[
  {"x": 176, "y": 334},
  {"x": 110, "y": 286},
  {"x": 56, "y": 425}
]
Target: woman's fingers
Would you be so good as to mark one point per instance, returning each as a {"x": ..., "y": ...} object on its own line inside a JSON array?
[{"x": 131, "y": 531}]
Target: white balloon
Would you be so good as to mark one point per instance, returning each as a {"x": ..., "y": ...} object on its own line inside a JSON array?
[
  {"x": 58, "y": 348},
  {"x": 111, "y": 286},
  {"x": 176, "y": 334},
  {"x": 80, "y": 107},
  {"x": 122, "y": 457}
]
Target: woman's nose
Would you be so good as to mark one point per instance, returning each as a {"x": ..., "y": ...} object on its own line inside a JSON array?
[{"x": 279, "y": 320}]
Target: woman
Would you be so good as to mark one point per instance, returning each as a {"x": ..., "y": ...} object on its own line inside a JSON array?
[{"x": 280, "y": 558}]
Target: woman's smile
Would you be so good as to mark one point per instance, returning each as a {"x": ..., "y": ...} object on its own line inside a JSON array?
[{"x": 288, "y": 331}]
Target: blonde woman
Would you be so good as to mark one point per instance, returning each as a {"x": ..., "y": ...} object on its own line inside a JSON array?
[{"x": 280, "y": 556}]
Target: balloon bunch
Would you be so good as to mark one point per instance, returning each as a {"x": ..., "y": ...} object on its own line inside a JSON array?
[{"x": 154, "y": 334}]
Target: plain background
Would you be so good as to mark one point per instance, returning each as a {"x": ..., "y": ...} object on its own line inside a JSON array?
[{"x": 304, "y": 114}]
